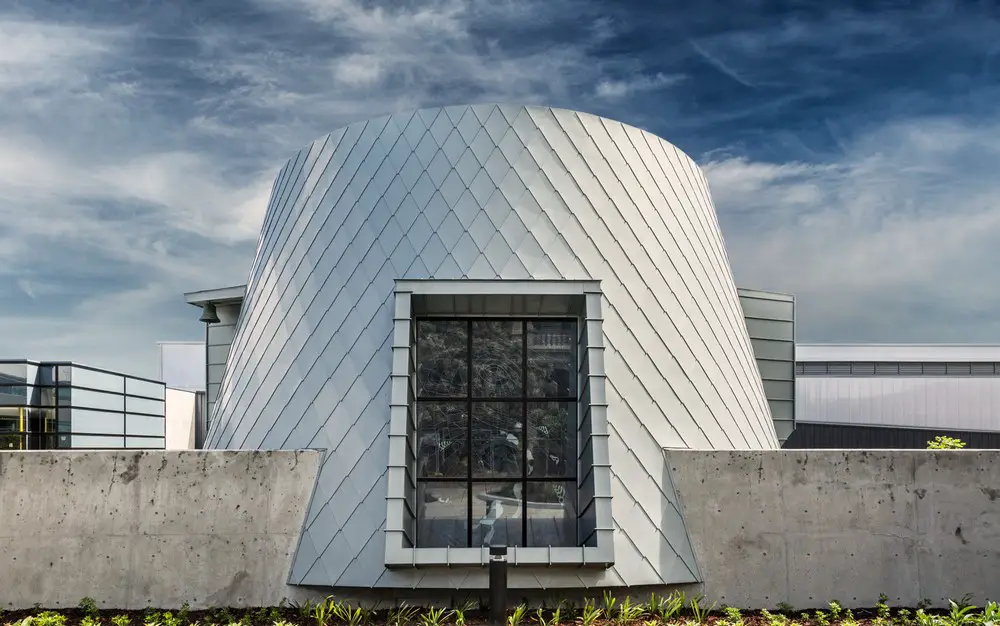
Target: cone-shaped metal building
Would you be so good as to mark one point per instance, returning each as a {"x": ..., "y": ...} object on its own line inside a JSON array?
[{"x": 493, "y": 318}]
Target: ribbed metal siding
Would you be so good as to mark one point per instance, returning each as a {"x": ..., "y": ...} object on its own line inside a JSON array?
[
  {"x": 963, "y": 402},
  {"x": 770, "y": 320}
]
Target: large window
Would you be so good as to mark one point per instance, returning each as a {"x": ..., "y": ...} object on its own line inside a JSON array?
[{"x": 496, "y": 409}]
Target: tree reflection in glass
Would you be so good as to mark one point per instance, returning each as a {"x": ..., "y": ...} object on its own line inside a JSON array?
[
  {"x": 442, "y": 356},
  {"x": 497, "y": 366}
]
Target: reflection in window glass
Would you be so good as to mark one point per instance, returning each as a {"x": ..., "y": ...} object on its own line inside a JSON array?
[
  {"x": 496, "y": 460},
  {"x": 442, "y": 520},
  {"x": 496, "y": 514},
  {"x": 442, "y": 355},
  {"x": 11, "y": 395},
  {"x": 497, "y": 370},
  {"x": 552, "y": 513},
  {"x": 442, "y": 439},
  {"x": 552, "y": 365},
  {"x": 496, "y": 439},
  {"x": 552, "y": 439}
]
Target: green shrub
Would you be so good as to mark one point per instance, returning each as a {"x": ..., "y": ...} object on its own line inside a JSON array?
[{"x": 943, "y": 442}]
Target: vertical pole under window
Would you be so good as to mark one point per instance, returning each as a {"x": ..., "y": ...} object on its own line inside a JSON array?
[
  {"x": 524, "y": 433},
  {"x": 468, "y": 430}
]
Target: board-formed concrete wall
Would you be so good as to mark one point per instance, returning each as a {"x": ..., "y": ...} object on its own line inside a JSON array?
[
  {"x": 138, "y": 529},
  {"x": 808, "y": 526}
]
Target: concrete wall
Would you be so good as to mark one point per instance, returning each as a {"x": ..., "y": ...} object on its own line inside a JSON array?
[
  {"x": 808, "y": 526},
  {"x": 137, "y": 529}
]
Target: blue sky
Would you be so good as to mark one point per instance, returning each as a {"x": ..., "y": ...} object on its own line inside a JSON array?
[{"x": 853, "y": 150}]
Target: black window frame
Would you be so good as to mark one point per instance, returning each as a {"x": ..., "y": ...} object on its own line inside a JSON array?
[{"x": 524, "y": 399}]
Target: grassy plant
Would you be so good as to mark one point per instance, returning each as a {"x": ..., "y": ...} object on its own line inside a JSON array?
[
  {"x": 460, "y": 613},
  {"x": 403, "y": 615},
  {"x": 903, "y": 618},
  {"x": 590, "y": 614},
  {"x": 434, "y": 617},
  {"x": 699, "y": 610},
  {"x": 516, "y": 618},
  {"x": 629, "y": 612},
  {"x": 666, "y": 608},
  {"x": 90, "y": 621},
  {"x": 351, "y": 616},
  {"x": 554, "y": 620},
  {"x": 121, "y": 620},
  {"x": 609, "y": 604},
  {"x": 821, "y": 618},
  {"x": 324, "y": 611}
]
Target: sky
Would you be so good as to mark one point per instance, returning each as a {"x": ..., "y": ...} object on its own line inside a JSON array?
[{"x": 853, "y": 150}]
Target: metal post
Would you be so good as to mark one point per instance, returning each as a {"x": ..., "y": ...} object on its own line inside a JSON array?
[{"x": 498, "y": 585}]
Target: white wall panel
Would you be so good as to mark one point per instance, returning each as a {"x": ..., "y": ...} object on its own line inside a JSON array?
[
  {"x": 486, "y": 192},
  {"x": 967, "y": 403}
]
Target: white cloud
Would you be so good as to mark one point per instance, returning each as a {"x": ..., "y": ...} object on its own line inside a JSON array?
[
  {"x": 617, "y": 89},
  {"x": 890, "y": 243}
]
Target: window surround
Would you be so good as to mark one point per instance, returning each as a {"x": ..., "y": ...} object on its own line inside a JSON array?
[{"x": 495, "y": 298}]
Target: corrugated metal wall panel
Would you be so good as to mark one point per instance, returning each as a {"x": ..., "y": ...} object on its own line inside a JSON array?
[{"x": 971, "y": 403}]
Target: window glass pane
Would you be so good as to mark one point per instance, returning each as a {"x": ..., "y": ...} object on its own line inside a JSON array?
[
  {"x": 11, "y": 425},
  {"x": 442, "y": 439},
  {"x": 94, "y": 441},
  {"x": 443, "y": 515},
  {"x": 11, "y": 395},
  {"x": 497, "y": 364},
  {"x": 143, "y": 405},
  {"x": 551, "y": 513},
  {"x": 41, "y": 420},
  {"x": 156, "y": 443},
  {"x": 145, "y": 388},
  {"x": 46, "y": 396},
  {"x": 92, "y": 379},
  {"x": 496, "y": 514},
  {"x": 442, "y": 358},
  {"x": 13, "y": 373},
  {"x": 97, "y": 400},
  {"x": 552, "y": 439},
  {"x": 496, "y": 439},
  {"x": 552, "y": 366},
  {"x": 144, "y": 425},
  {"x": 94, "y": 423}
]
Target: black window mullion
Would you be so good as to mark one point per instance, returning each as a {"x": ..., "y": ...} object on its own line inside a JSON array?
[
  {"x": 468, "y": 431},
  {"x": 524, "y": 433}
]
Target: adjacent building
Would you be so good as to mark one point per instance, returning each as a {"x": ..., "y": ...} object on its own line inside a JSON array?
[
  {"x": 896, "y": 396},
  {"x": 62, "y": 405}
]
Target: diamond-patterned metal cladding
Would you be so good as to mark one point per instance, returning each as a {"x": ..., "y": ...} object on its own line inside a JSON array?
[{"x": 485, "y": 192}]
